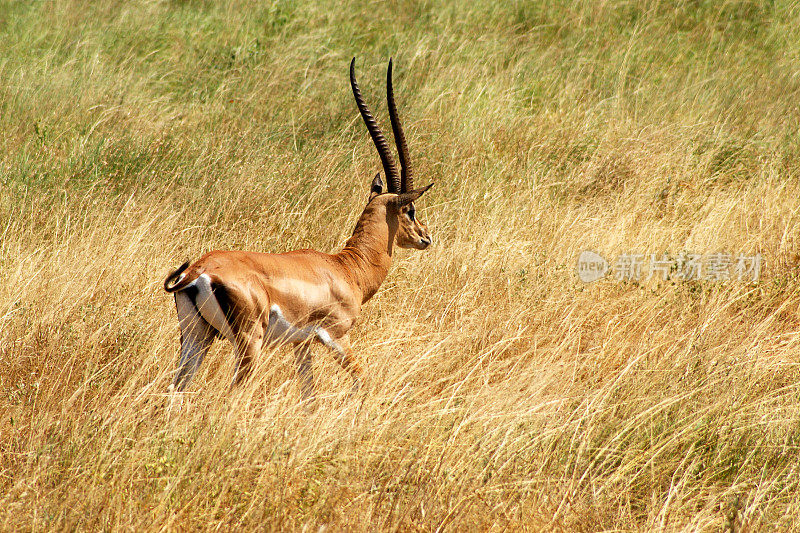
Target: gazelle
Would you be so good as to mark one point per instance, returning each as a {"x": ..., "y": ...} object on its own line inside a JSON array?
[{"x": 255, "y": 300}]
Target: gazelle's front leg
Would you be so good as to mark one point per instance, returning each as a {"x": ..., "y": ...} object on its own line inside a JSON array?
[
  {"x": 304, "y": 370},
  {"x": 343, "y": 352}
]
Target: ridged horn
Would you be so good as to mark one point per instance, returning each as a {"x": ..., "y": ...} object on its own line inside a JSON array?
[
  {"x": 389, "y": 168},
  {"x": 406, "y": 174}
]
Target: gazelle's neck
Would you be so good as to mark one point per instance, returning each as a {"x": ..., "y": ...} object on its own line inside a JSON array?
[{"x": 367, "y": 255}]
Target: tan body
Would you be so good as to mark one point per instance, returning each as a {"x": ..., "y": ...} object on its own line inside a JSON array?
[
  {"x": 255, "y": 300},
  {"x": 308, "y": 286},
  {"x": 258, "y": 299}
]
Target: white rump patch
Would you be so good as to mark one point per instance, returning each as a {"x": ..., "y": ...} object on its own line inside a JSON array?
[
  {"x": 196, "y": 338},
  {"x": 209, "y": 307}
]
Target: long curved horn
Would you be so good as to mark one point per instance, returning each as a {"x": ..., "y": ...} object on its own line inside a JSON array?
[
  {"x": 406, "y": 175},
  {"x": 389, "y": 168}
]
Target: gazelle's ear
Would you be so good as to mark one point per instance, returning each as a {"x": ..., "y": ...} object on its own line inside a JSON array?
[
  {"x": 377, "y": 186},
  {"x": 405, "y": 198}
]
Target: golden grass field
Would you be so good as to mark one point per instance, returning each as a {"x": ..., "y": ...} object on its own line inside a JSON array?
[{"x": 500, "y": 391}]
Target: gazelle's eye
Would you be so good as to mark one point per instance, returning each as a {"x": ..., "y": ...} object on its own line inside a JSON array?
[{"x": 412, "y": 213}]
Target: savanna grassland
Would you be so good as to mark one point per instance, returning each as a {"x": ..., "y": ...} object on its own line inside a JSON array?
[{"x": 500, "y": 390}]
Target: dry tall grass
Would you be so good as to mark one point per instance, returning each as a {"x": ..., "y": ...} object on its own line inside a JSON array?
[{"x": 500, "y": 391}]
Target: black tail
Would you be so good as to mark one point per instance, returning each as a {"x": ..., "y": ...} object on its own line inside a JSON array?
[{"x": 169, "y": 284}]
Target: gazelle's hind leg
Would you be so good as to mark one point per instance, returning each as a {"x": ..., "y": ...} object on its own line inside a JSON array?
[
  {"x": 197, "y": 335},
  {"x": 248, "y": 347},
  {"x": 215, "y": 308},
  {"x": 204, "y": 312},
  {"x": 210, "y": 308}
]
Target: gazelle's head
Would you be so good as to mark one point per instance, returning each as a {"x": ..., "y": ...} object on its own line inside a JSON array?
[{"x": 398, "y": 193}]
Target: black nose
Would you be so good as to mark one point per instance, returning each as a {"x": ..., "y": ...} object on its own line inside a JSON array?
[{"x": 425, "y": 241}]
